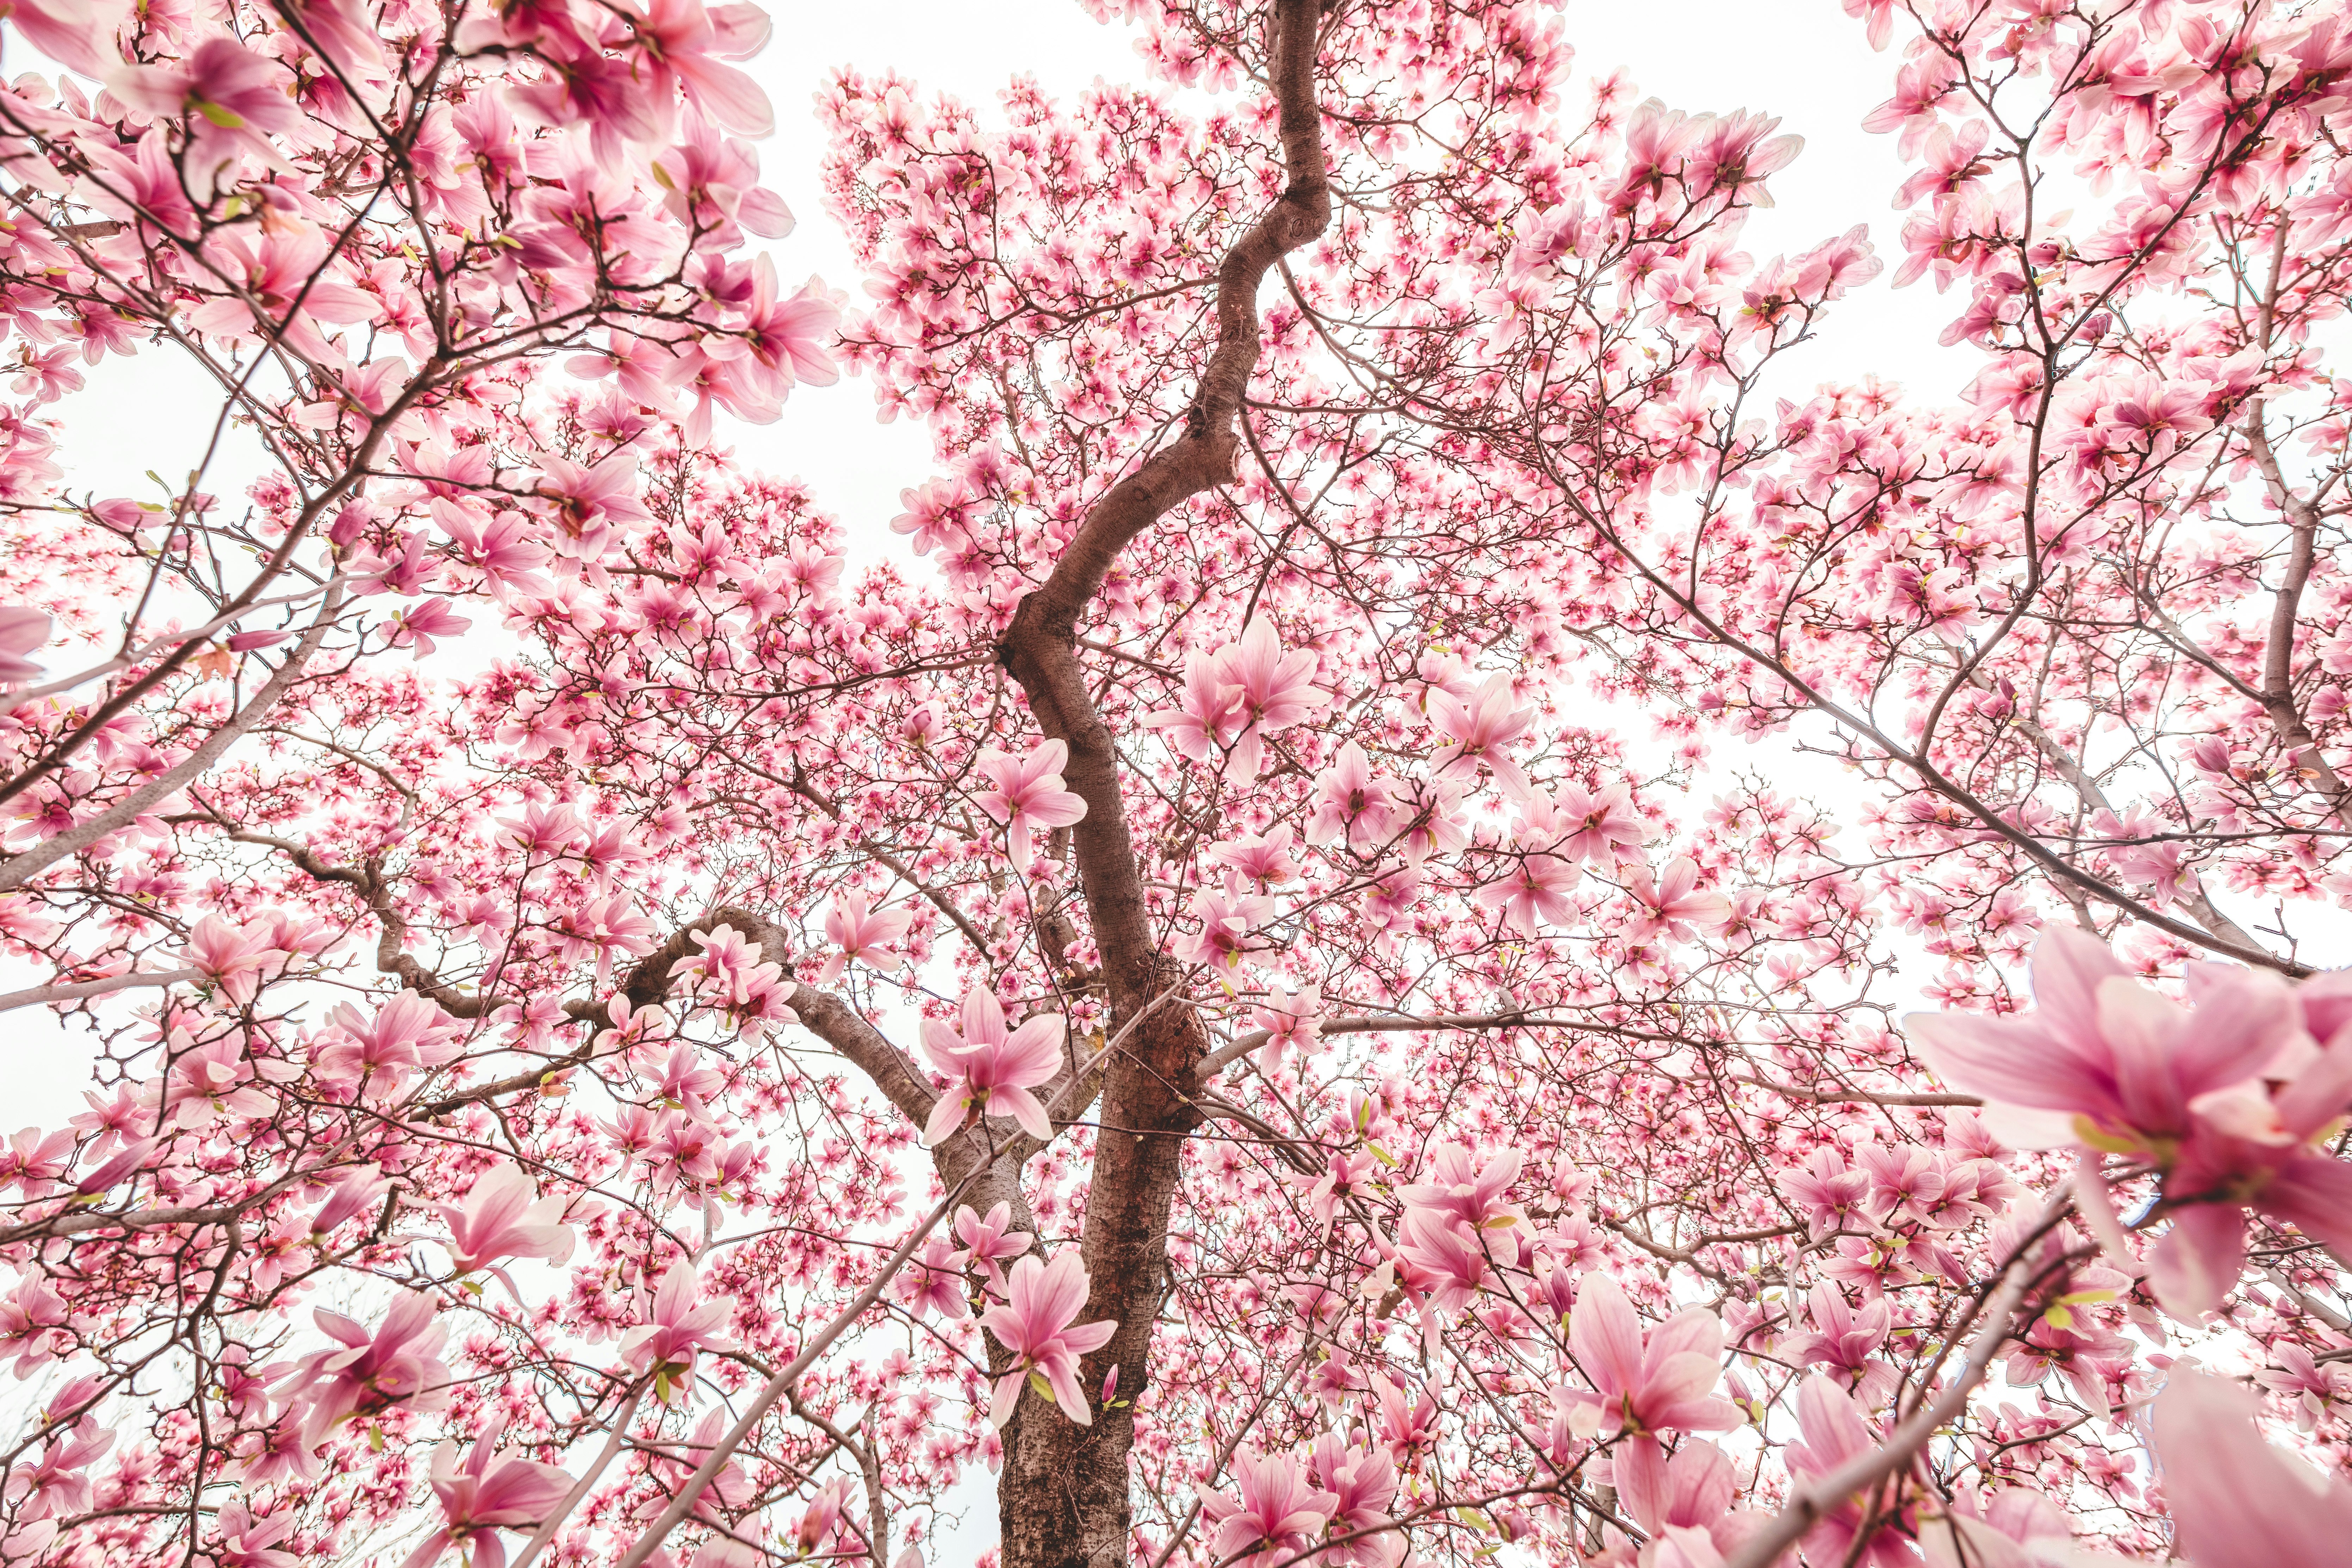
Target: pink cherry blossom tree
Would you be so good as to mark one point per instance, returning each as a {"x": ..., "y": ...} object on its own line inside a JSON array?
[{"x": 1209, "y": 996}]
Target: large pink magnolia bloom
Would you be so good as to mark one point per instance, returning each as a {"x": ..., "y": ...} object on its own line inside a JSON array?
[
  {"x": 485, "y": 1494},
  {"x": 2236, "y": 1502},
  {"x": 1351, "y": 802},
  {"x": 1028, "y": 794},
  {"x": 990, "y": 1239},
  {"x": 230, "y": 99},
  {"x": 1674, "y": 904},
  {"x": 687, "y": 41},
  {"x": 863, "y": 935},
  {"x": 1276, "y": 1515},
  {"x": 1535, "y": 894},
  {"x": 1477, "y": 730},
  {"x": 22, "y": 631},
  {"x": 1834, "y": 1432},
  {"x": 233, "y": 957},
  {"x": 1035, "y": 1324},
  {"x": 1239, "y": 695},
  {"x": 396, "y": 1364},
  {"x": 504, "y": 1217},
  {"x": 1644, "y": 1385},
  {"x": 989, "y": 1067},
  {"x": 74, "y": 32},
  {"x": 681, "y": 1324},
  {"x": 2222, "y": 1099}
]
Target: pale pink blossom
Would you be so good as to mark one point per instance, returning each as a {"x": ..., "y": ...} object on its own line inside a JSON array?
[
  {"x": 1273, "y": 1515},
  {"x": 1038, "y": 1325},
  {"x": 1674, "y": 904},
  {"x": 503, "y": 1216},
  {"x": 1028, "y": 794},
  {"x": 22, "y": 631},
  {"x": 679, "y": 1324},
  {"x": 990, "y": 1240},
  {"x": 481, "y": 1497},
  {"x": 1479, "y": 729},
  {"x": 2236, "y": 1500},
  {"x": 1351, "y": 802},
  {"x": 397, "y": 1364},
  {"x": 863, "y": 935},
  {"x": 990, "y": 1069}
]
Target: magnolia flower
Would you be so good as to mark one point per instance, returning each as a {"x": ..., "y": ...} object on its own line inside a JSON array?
[
  {"x": 232, "y": 957},
  {"x": 1674, "y": 903},
  {"x": 1477, "y": 730},
  {"x": 988, "y": 1068},
  {"x": 678, "y": 1326},
  {"x": 990, "y": 1239},
  {"x": 22, "y": 631},
  {"x": 483, "y": 1495},
  {"x": 1644, "y": 1385},
  {"x": 1291, "y": 1021},
  {"x": 2236, "y": 1502},
  {"x": 862, "y": 936},
  {"x": 231, "y": 101},
  {"x": 1272, "y": 691},
  {"x": 933, "y": 1277},
  {"x": 397, "y": 1364},
  {"x": 1028, "y": 795},
  {"x": 2222, "y": 1099},
  {"x": 1239, "y": 695},
  {"x": 1276, "y": 1514},
  {"x": 1035, "y": 1324},
  {"x": 1230, "y": 917},
  {"x": 1535, "y": 894},
  {"x": 1351, "y": 802},
  {"x": 503, "y": 1216}
]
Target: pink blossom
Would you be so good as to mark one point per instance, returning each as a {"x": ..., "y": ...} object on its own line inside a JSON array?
[
  {"x": 22, "y": 631},
  {"x": 1037, "y": 1325},
  {"x": 1674, "y": 905},
  {"x": 2237, "y": 1501},
  {"x": 407, "y": 1033},
  {"x": 932, "y": 1279},
  {"x": 1231, "y": 919},
  {"x": 231, "y": 99},
  {"x": 1028, "y": 794},
  {"x": 1835, "y": 1431},
  {"x": 503, "y": 1216},
  {"x": 1535, "y": 894},
  {"x": 249, "y": 1543},
  {"x": 1643, "y": 1383},
  {"x": 233, "y": 957},
  {"x": 864, "y": 936},
  {"x": 1290, "y": 1022},
  {"x": 2222, "y": 1099},
  {"x": 483, "y": 1495},
  {"x": 1477, "y": 730},
  {"x": 990, "y": 1069},
  {"x": 678, "y": 1325},
  {"x": 990, "y": 1240},
  {"x": 1276, "y": 1514},
  {"x": 398, "y": 1364},
  {"x": 1351, "y": 802}
]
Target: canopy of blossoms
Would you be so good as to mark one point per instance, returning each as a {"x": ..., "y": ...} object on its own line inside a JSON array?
[{"x": 1232, "y": 1001}]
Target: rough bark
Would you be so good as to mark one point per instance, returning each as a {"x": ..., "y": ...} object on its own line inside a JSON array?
[{"x": 1063, "y": 1500}]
